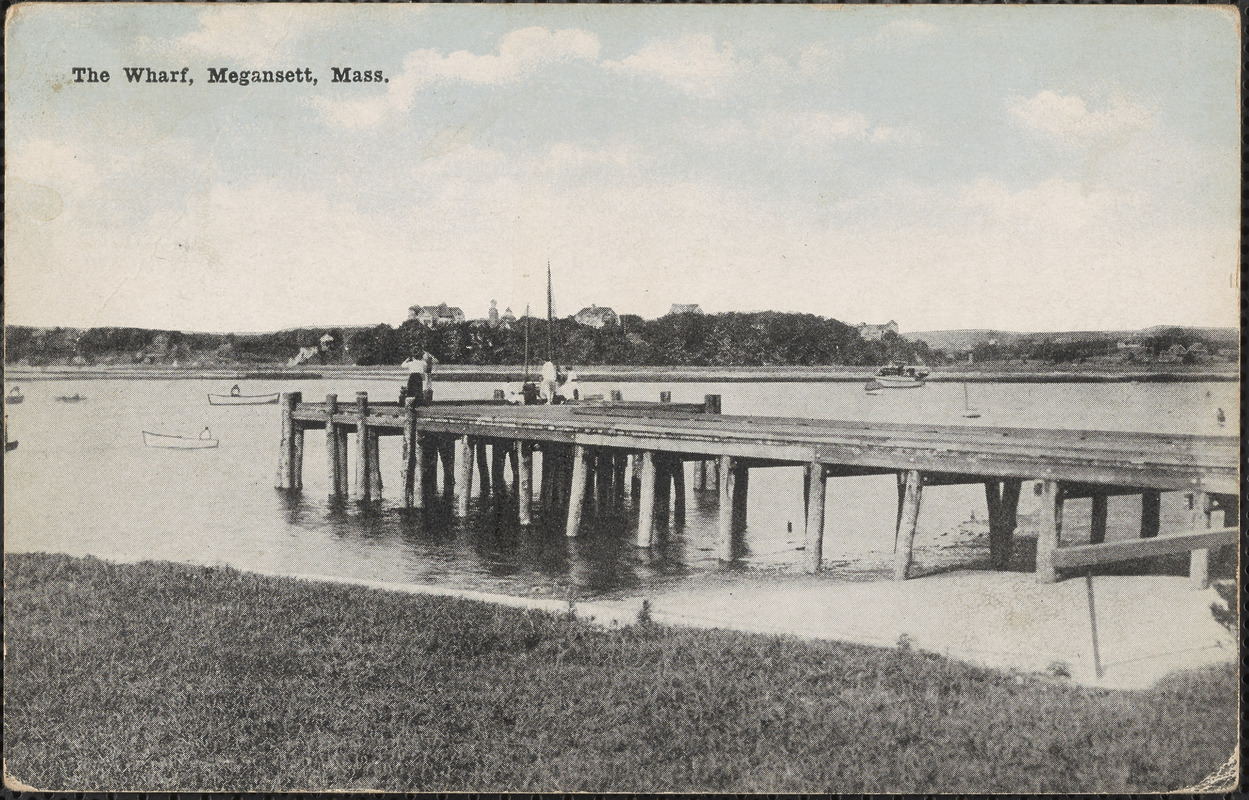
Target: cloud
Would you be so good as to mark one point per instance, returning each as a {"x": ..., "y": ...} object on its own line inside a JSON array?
[
  {"x": 252, "y": 32},
  {"x": 691, "y": 63},
  {"x": 1069, "y": 117},
  {"x": 520, "y": 54},
  {"x": 901, "y": 31}
]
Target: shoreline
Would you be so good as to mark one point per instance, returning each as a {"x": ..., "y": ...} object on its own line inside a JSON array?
[{"x": 610, "y": 374}]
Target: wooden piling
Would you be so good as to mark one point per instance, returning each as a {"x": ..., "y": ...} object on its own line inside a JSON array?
[
  {"x": 413, "y": 463},
  {"x": 912, "y": 490},
  {"x": 375, "y": 465},
  {"x": 616, "y": 395},
  {"x": 619, "y": 464},
  {"x": 341, "y": 450},
  {"x": 577, "y": 489},
  {"x": 286, "y": 449},
  {"x": 498, "y": 461},
  {"x": 297, "y": 454},
  {"x": 663, "y": 483},
  {"x": 1151, "y": 516},
  {"x": 463, "y": 480},
  {"x": 741, "y": 490},
  {"x": 331, "y": 444},
  {"x": 816, "y": 484},
  {"x": 700, "y": 475},
  {"x": 710, "y": 469},
  {"x": 362, "y": 447},
  {"x": 1199, "y": 560},
  {"x": 545, "y": 500},
  {"x": 724, "y": 530},
  {"x": 603, "y": 478},
  {"x": 677, "y": 471},
  {"x": 1047, "y": 534},
  {"x": 1097, "y": 518},
  {"x": 524, "y": 481},
  {"x": 665, "y": 397},
  {"x": 1002, "y": 499},
  {"x": 483, "y": 467},
  {"x": 646, "y": 499}
]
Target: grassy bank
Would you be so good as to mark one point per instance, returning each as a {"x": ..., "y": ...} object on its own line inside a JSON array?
[{"x": 162, "y": 676}]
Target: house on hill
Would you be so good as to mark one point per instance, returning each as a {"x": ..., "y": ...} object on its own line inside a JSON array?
[
  {"x": 597, "y": 316},
  {"x": 431, "y": 316},
  {"x": 685, "y": 308},
  {"x": 873, "y": 333}
]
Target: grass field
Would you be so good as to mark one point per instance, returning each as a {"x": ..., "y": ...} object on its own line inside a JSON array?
[{"x": 161, "y": 676}]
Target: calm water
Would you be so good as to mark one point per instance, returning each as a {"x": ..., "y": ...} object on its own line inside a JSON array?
[{"x": 82, "y": 483}]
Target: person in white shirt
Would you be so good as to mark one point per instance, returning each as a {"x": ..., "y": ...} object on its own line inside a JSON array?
[{"x": 549, "y": 381}]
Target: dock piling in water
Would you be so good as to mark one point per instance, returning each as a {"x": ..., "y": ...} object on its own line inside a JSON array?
[
  {"x": 912, "y": 488},
  {"x": 816, "y": 484},
  {"x": 646, "y": 499},
  {"x": 362, "y": 446}
]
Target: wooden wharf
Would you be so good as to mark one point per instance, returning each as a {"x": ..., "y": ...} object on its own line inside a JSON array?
[{"x": 615, "y": 452}]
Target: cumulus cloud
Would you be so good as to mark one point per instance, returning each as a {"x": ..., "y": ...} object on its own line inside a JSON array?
[
  {"x": 1069, "y": 117},
  {"x": 520, "y": 54},
  {"x": 693, "y": 63},
  {"x": 252, "y": 32}
]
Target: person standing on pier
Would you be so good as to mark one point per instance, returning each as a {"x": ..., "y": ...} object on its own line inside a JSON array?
[{"x": 550, "y": 381}]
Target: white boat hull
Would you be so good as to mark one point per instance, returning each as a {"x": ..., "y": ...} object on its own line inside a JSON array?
[
  {"x": 242, "y": 399},
  {"x": 898, "y": 382},
  {"x": 176, "y": 442}
]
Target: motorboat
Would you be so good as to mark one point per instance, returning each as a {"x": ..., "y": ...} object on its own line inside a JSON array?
[
  {"x": 900, "y": 376},
  {"x": 242, "y": 399}
]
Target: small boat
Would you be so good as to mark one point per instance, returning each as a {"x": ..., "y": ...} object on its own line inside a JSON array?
[
  {"x": 14, "y": 397},
  {"x": 10, "y": 445},
  {"x": 242, "y": 399},
  {"x": 73, "y": 398},
  {"x": 177, "y": 442},
  {"x": 900, "y": 376},
  {"x": 873, "y": 386}
]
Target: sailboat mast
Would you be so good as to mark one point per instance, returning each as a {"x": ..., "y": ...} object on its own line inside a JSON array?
[
  {"x": 550, "y": 317},
  {"x": 526, "y": 378}
]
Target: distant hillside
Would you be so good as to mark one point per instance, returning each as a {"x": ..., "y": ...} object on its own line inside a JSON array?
[{"x": 969, "y": 339}]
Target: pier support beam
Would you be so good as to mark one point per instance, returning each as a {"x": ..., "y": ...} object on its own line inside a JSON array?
[
  {"x": 463, "y": 481},
  {"x": 577, "y": 489},
  {"x": 1002, "y": 499},
  {"x": 375, "y": 465},
  {"x": 413, "y": 463},
  {"x": 1199, "y": 560},
  {"x": 363, "y": 460},
  {"x": 297, "y": 454},
  {"x": 343, "y": 472},
  {"x": 483, "y": 467},
  {"x": 677, "y": 468},
  {"x": 1048, "y": 531},
  {"x": 498, "y": 461},
  {"x": 331, "y": 444},
  {"x": 646, "y": 499},
  {"x": 1151, "y": 516},
  {"x": 524, "y": 482},
  {"x": 912, "y": 489},
  {"x": 816, "y": 484},
  {"x": 286, "y": 450},
  {"x": 741, "y": 491},
  {"x": 724, "y": 531},
  {"x": 1097, "y": 518}
]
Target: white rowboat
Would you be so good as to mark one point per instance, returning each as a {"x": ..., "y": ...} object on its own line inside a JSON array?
[
  {"x": 177, "y": 442},
  {"x": 242, "y": 399}
]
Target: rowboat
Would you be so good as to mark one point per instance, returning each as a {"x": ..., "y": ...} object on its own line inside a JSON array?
[
  {"x": 73, "y": 398},
  {"x": 177, "y": 442},
  {"x": 242, "y": 399},
  {"x": 14, "y": 397}
]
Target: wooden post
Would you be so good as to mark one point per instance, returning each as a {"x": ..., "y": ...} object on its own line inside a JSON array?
[
  {"x": 577, "y": 488},
  {"x": 603, "y": 478},
  {"x": 619, "y": 464},
  {"x": 1003, "y": 502},
  {"x": 635, "y": 477},
  {"x": 663, "y": 484},
  {"x": 1151, "y": 517},
  {"x": 646, "y": 499},
  {"x": 524, "y": 481},
  {"x": 544, "y": 489},
  {"x": 341, "y": 450},
  {"x": 362, "y": 446},
  {"x": 1097, "y": 518},
  {"x": 413, "y": 464},
  {"x": 1047, "y": 535},
  {"x": 709, "y": 470},
  {"x": 665, "y": 397},
  {"x": 483, "y": 467},
  {"x": 498, "y": 461},
  {"x": 700, "y": 475},
  {"x": 297, "y": 457},
  {"x": 741, "y": 486},
  {"x": 724, "y": 537},
  {"x": 1199, "y": 560},
  {"x": 816, "y": 483},
  {"x": 446, "y": 453},
  {"x": 285, "y": 450},
  {"x": 463, "y": 475},
  {"x": 375, "y": 465},
  {"x": 678, "y": 491},
  {"x": 912, "y": 489},
  {"x": 616, "y": 395},
  {"x": 331, "y": 443}
]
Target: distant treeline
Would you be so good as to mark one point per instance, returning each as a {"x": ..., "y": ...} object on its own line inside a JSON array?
[
  {"x": 730, "y": 339},
  {"x": 733, "y": 339}
]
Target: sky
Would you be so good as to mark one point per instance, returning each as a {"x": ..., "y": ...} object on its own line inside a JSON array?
[{"x": 1018, "y": 168}]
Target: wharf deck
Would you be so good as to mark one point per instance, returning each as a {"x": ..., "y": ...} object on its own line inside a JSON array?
[{"x": 1167, "y": 462}]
